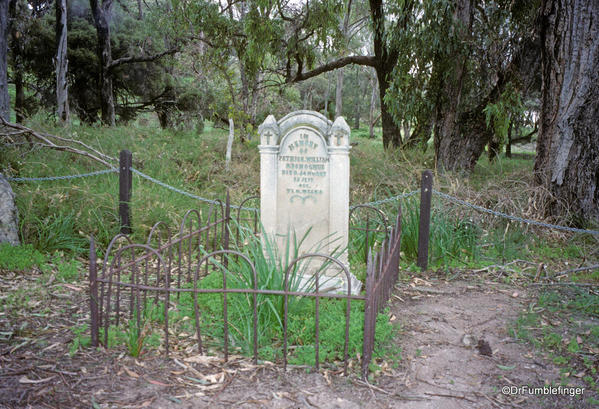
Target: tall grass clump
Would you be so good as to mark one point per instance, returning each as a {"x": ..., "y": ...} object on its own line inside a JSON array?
[
  {"x": 453, "y": 239},
  {"x": 54, "y": 232},
  {"x": 271, "y": 265},
  {"x": 359, "y": 246}
]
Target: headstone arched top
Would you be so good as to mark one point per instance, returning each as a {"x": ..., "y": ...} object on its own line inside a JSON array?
[{"x": 309, "y": 119}]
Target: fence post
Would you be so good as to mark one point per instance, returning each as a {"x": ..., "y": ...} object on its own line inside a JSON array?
[
  {"x": 125, "y": 186},
  {"x": 426, "y": 192},
  {"x": 93, "y": 292}
]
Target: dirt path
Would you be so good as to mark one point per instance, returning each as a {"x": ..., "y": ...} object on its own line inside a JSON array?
[{"x": 441, "y": 366}]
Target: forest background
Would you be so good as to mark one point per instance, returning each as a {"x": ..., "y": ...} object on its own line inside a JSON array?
[{"x": 461, "y": 78}]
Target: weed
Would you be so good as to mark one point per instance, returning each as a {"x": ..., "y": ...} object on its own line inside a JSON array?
[
  {"x": 366, "y": 234},
  {"x": 80, "y": 340},
  {"x": 571, "y": 341},
  {"x": 136, "y": 337},
  {"x": 67, "y": 270}
]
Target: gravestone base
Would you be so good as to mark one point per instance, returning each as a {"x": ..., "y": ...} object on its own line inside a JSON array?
[{"x": 335, "y": 284}]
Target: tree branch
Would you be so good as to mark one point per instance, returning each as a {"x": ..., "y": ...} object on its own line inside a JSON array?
[
  {"x": 47, "y": 142},
  {"x": 148, "y": 58},
  {"x": 367, "y": 60},
  {"x": 527, "y": 137}
]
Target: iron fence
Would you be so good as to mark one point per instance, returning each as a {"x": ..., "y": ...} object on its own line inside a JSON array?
[
  {"x": 134, "y": 276},
  {"x": 382, "y": 272}
]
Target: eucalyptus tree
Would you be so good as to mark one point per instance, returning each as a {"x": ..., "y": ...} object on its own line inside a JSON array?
[
  {"x": 102, "y": 12},
  {"x": 462, "y": 70},
  {"x": 4, "y": 96},
  {"x": 230, "y": 39},
  {"x": 316, "y": 23},
  {"x": 285, "y": 42},
  {"x": 61, "y": 62},
  {"x": 567, "y": 162}
]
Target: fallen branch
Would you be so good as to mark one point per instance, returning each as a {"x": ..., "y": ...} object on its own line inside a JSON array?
[
  {"x": 575, "y": 270},
  {"x": 47, "y": 142}
]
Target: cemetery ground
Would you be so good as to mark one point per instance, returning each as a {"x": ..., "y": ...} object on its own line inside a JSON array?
[
  {"x": 493, "y": 310},
  {"x": 536, "y": 338}
]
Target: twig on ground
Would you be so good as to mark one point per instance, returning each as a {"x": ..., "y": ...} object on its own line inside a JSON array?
[
  {"x": 575, "y": 270},
  {"x": 450, "y": 395},
  {"x": 565, "y": 284}
]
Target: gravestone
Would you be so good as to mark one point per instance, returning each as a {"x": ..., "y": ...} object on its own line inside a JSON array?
[{"x": 304, "y": 187}]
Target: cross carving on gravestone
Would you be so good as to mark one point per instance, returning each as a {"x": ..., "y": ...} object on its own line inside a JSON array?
[
  {"x": 268, "y": 135},
  {"x": 338, "y": 136}
]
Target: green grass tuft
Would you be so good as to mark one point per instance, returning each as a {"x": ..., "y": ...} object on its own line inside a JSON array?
[{"x": 20, "y": 258}]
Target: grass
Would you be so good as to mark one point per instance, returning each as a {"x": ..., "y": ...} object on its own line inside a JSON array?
[
  {"x": 61, "y": 215},
  {"x": 564, "y": 326},
  {"x": 20, "y": 258}
]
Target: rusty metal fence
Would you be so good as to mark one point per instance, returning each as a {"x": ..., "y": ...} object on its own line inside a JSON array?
[{"x": 168, "y": 265}]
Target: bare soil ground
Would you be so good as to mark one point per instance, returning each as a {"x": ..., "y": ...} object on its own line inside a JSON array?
[{"x": 441, "y": 366}]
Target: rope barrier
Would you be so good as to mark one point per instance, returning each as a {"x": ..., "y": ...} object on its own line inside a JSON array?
[
  {"x": 182, "y": 192},
  {"x": 511, "y": 217},
  {"x": 389, "y": 199},
  {"x": 374, "y": 203},
  {"x": 82, "y": 175}
]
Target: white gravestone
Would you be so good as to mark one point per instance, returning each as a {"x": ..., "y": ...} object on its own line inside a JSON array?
[{"x": 304, "y": 185}]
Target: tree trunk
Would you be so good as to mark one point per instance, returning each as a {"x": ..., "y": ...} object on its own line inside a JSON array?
[
  {"x": 371, "y": 118},
  {"x": 406, "y": 130},
  {"x": 445, "y": 123},
  {"x": 61, "y": 63},
  {"x": 229, "y": 143},
  {"x": 19, "y": 96},
  {"x": 358, "y": 99},
  {"x": 4, "y": 97},
  {"x": 567, "y": 162},
  {"x": 391, "y": 132},
  {"x": 102, "y": 15},
  {"x": 508, "y": 145},
  {"x": 327, "y": 95},
  {"x": 339, "y": 94},
  {"x": 164, "y": 109},
  {"x": 462, "y": 150},
  {"x": 494, "y": 149},
  {"x": 245, "y": 100},
  {"x": 339, "y": 89},
  {"x": 357, "y": 112}
]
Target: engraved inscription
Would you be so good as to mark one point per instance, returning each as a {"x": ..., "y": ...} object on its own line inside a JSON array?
[{"x": 304, "y": 165}]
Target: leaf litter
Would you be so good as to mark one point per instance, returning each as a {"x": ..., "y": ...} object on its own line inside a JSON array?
[{"x": 36, "y": 368}]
